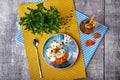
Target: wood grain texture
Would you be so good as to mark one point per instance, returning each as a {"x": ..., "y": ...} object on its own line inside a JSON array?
[
  {"x": 105, "y": 64},
  {"x": 13, "y": 63},
  {"x": 112, "y": 40}
]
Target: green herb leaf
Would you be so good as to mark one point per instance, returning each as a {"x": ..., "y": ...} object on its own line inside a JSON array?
[{"x": 42, "y": 20}]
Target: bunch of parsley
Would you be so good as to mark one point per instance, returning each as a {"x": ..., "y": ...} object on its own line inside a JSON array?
[{"x": 42, "y": 20}]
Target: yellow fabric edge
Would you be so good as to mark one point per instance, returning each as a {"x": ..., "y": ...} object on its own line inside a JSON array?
[{"x": 21, "y": 7}]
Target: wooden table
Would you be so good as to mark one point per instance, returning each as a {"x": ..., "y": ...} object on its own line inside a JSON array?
[{"x": 105, "y": 64}]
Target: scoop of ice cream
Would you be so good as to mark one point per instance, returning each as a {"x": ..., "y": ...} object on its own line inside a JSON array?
[{"x": 56, "y": 44}]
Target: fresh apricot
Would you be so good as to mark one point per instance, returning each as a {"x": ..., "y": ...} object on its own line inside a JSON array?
[
  {"x": 58, "y": 61},
  {"x": 90, "y": 42},
  {"x": 65, "y": 56},
  {"x": 97, "y": 35},
  {"x": 63, "y": 60}
]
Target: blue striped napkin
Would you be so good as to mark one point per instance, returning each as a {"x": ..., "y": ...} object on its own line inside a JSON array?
[{"x": 88, "y": 52}]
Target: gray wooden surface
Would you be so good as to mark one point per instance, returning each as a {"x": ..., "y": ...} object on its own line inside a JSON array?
[{"x": 105, "y": 64}]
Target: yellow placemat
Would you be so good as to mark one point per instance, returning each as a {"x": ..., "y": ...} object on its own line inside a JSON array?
[{"x": 75, "y": 71}]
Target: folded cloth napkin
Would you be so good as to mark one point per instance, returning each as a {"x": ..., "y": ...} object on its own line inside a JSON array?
[
  {"x": 75, "y": 71},
  {"x": 88, "y": 52}
]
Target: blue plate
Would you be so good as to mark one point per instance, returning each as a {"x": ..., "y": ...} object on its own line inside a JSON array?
[{"x": 70, "y": 47}]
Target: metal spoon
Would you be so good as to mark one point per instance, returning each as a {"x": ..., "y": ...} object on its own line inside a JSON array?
[{"x": 36, "y": 43}]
